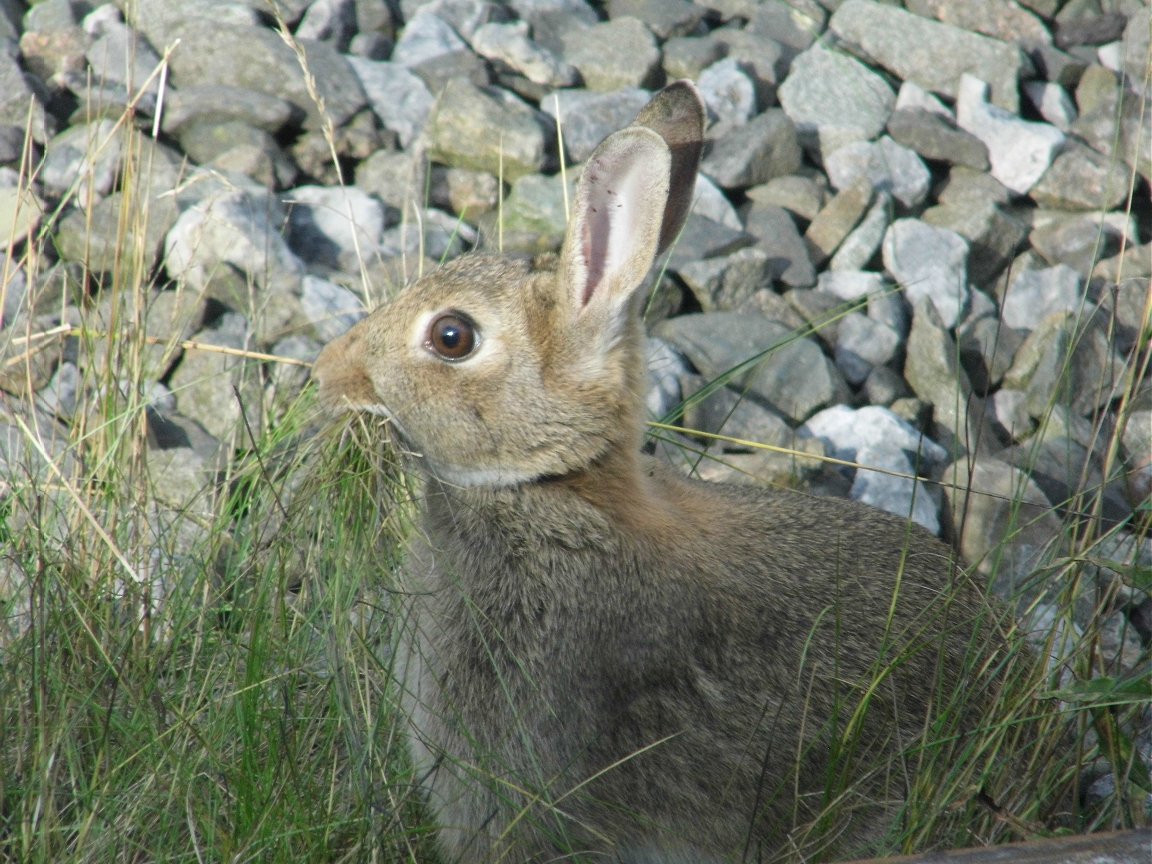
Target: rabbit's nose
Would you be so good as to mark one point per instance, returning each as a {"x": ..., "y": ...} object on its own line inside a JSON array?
[{"x": 340, "y": 374}]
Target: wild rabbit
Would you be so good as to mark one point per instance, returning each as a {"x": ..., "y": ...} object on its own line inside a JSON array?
[{"x": 601, "y": 659}]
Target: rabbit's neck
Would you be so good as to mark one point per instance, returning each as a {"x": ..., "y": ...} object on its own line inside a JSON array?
[{"x": 623, "y": 491}]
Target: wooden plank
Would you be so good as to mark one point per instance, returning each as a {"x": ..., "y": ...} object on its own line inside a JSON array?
[{"x": 1119, "y": 847}]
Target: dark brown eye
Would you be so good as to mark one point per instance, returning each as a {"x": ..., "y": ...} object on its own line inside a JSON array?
[{"x": 452, "y": 336}]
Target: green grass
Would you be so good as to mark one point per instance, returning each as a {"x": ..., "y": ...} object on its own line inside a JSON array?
[{"x": 230, "y": 699}]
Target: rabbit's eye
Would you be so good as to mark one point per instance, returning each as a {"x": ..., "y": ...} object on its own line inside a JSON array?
[{"x": 452, "y": 336}]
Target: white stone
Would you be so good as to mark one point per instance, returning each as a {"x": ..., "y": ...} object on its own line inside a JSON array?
[{"x": 1020, "y": 151}]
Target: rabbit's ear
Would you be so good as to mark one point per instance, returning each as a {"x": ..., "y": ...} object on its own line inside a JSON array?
[
  {"x": 632, "y": 199},
  {"x": 615, "y": 228},
  {"x": 676, "y": 114}
]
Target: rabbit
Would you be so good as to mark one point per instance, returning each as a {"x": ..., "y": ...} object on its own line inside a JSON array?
[{"x": 601, "y": 659}]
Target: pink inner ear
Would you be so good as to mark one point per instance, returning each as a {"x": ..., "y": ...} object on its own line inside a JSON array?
[{"x": 594, "y": 251}]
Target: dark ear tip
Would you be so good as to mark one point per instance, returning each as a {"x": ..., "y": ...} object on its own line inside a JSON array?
[{"x": 676, "y": 113}]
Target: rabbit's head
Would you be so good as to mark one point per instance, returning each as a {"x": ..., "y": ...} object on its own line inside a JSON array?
[{"x": 497, "y": 370}]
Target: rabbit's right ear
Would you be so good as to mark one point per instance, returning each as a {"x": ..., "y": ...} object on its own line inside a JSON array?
[{"x": 631, "y": 201}]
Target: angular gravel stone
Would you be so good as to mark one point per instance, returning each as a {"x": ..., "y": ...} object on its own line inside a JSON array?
[
  {"x": 834, "y": 100},
  {"x": 764, "y": 147},
  {"x": 338, "y": 227},
  {"x": 883, "y": 163},
  {"x": 932, "y": 54},
  {"x": 1054, "y": 289},
  {"x": 1020, "y": 151},
  {"x": 486, "y": 131},
  {"x": 931, "y": 264},
  {"x": 614, "y": 54},
  {"x": 511, "y": 45},
  {"x": 331, "y": 308},
  {"x": 397, "y": 96},
  {"x": 585, "y": 117},
  {"x": 793, "y": 377},
  {"x": 935, "y": 137},
  {"x": 728, "y": 91}
]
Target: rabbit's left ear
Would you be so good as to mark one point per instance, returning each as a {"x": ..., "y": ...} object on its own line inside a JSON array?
[
  {"x": 615, "y": 228},
  {"x": 632, "y": 200}
]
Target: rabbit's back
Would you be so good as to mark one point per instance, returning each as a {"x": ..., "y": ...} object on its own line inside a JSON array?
[{"x": 699, "y": 657}]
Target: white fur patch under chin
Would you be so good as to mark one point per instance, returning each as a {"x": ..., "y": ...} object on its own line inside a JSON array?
[{"x": 495, "y": 477}]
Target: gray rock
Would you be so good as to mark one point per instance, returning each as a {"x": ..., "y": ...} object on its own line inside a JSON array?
[
  {"x": 20, "y": 212},
  {"x": 801, "y": 196},
  {"x": 932, "y": 54},
  {"x": 965, "y": 185},
  {"x": 1080, "y": 178},
  {"x": 235, "y": 228},
  {"x": 256, "y": 58},
  {"x": 585, "y": 117},
  {"x": 1137, "y": 49},
  {"x": 665, "y": 18},
  {"x": 429, "y": 234},
  {"x": 931, "y": 264},
  {"x": 205, "y": 380},
  {"x": 221, "y": 102},
  {"x": 851, "y": 284},
  {"x": 727, "y": 282},
  {"x": 1009, "y": 414},
  {"x": 728, "y": 91},
  {"x": 709, "y": 201},
  {"x": 884, "y": 387},
  {"x": 613, "y": 55},
  {"x": 933, "y": 372},
  {"x": 702, "y": 238},
  {"x": 912, "y": 97},
  {"x": 988, "y": 347},
  {"x": 1004, "y": 521},
  {"x": 885, "y": 164},
  {"x": 876, "y": 438},
  {"x": 534, "y": 218},
  {"x": 862, "y": 344},
  {"x": 1065, "y": 362},
  {"x": 1019, "y": 151},
  {"x": 934, "y": 137},
  {"x": 1000, "y": 19},
  {"x": 837, "y": 219},
  {"x": 777, "y": 235},
  {"x": 62, "y": 395},
  {"x": 687, "y": 57},
  {"x": 22, "y": 98},
  {"x": 84, "y": 159},
  {"x": 1052, "y": 102},
  {"x": 331, "y": 308},
  {"x": 834, "y": 100},
  {"x": 789, "y": 374},
  {"x": 119, "y": 55},
  {"x": 994, "y": 236},
  {"x": 332, "y": 21},
  {"x": 487, "y": 131},
  {"x": 395, "y": 177},
  {"x": 748, "y": 155},
  {"x": 510, "y": 44},
  {"x": 795, "y": 25},
  {"x": 468, "y": 194},
  {"x": 336, "y": 227},
  {"x": 427, "y": 37},
  {"x": 397, "y": 96},
  {"x": 1079, "y": 239},
  {"x": 761, "y": 57},
  {"x": 666, "y": 368},
  {"x": 861, "y": 246},
  {"x": 1037, "y": 293}
]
